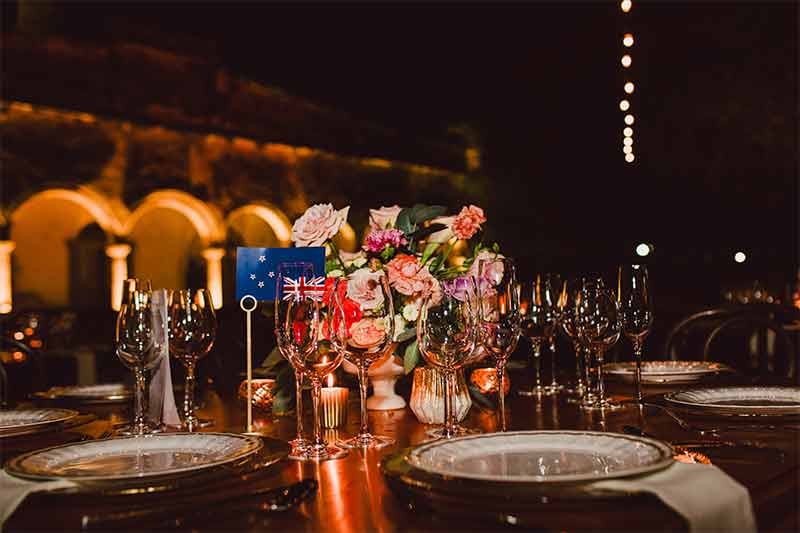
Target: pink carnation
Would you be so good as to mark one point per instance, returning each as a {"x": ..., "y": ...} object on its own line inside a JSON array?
[
  {"x": 377, "y": 240},
  {"x": 407, "y": 276},
  {"x": 468, "y": 222}
]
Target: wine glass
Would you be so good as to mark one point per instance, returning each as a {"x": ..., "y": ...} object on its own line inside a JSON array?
[
  {"x": 298, "y": 329},
  {"x": 566, "y": 305},
  {"x": 294, "y": 270},
  {"x": 192, "y": 330},
  {"x": 597, "y": 321},
  {"x": 362, "y": 328},
  {"x": 138, "y": 347},
  {"x": 538, "y": 300},
  {"x": 447, "y": 334},
  {"x": 636, "y": 308},
  {"x": 500, "y": 319},
  {"x": 551, "y": 284}
]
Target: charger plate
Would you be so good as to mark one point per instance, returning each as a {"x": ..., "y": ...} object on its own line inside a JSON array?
[
  {"x": 739, "y": 401},
  {"x": 664, "y": 372},
  {"x": 24, "y": 421},
  {"x": 102, "y": 393},
  {"x": 135, "y": 457},
  {"x": 541, "y": 456}
]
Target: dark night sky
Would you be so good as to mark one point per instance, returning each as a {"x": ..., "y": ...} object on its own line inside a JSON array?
[{"x": 716, "y": 109}]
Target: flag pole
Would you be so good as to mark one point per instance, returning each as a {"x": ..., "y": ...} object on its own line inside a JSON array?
[{"x": 249, "y": 321}]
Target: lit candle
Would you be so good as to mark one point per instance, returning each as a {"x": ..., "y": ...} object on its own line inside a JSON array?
[{"x": 334, "y": 404}]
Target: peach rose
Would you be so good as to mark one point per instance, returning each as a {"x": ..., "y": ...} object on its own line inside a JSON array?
[
  {"x": 468, "y": 222},
  {"x": 407, "y": 276},
  {"x": 364, "y": 288},
  {"x": 319, "y": 223},
  {"x": 367, "y": 332},
  {"x": 385, "y": 217}
]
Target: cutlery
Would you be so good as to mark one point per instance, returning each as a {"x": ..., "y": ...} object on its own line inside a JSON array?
[{"x": 268, "y": 499}]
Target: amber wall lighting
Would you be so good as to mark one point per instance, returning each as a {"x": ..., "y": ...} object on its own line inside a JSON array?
[{"x": 6, "y": 247}]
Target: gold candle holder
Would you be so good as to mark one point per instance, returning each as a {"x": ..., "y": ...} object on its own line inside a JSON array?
[
  {"x": 486, "y": 380},
  {"x": 261, "y": 393},
  {"x": 334, "y": 406}
]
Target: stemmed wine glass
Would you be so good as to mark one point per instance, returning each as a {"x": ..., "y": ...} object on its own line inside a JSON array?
[
  {"x": 539, "y": 317},
  {"x": 598, "y": 323},
  {"x": 192, "y": 330},
  {"x": 138, "y": 346},
  {"x": 566, "y": 304},
  {"x": 298, "y": 329},
  {"x": 362, "y": 328},
  {"x": 498, "y": 305},
  {"x": 636, "y": 308},
  {"x": 447, "y": 335},
  {"x": 552, "y": 285}
]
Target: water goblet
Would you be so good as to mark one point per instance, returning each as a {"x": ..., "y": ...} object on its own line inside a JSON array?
[
  {"x": 447, "y": 335},
  {"x": 598, "y": 323},
  {"x": 636, "y": 309},
  {"x": 362, "y": 329},
  {"x": 570, "y": 289},
  {"x": 138, "y": 346},
  {"x": 192, "y": 331},
  {"x": 538, "y": 301},
  {"x": 298, "y": 330},
  {"x": 498, "y": 306}
]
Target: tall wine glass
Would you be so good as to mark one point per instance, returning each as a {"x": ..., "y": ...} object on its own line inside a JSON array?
[
  {"x": 447, "y": 334},
  {"x": 298, "y": 329},
  {"x": 552, "y": 286},
  {"x": 570, "y": 288},
  {"x": 138, "y": 347},
  {"x": 192, "y": 330},
  {"x": 500, "y": 319},
  {"x": 636, "y": 307},
  {"x": 362, "y": 328},
  {"x": 538, "y": 300},
  {"x": 598, "y": 322},
  {"x": 293, "y": 271}
]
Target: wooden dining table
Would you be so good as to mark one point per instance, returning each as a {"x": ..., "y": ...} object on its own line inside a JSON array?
[{"x": 353, "y": 494}]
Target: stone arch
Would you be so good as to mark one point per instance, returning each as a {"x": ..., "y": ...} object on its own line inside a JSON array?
[
  {"x": 42, "y": 227},
  {"x": 170, "y": 230},
  {"x": 248, "y": 222}
]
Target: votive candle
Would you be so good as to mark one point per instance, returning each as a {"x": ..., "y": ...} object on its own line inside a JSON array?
[{"x": 334, "y": 406}]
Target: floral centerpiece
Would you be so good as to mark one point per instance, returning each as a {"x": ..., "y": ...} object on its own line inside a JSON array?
[{"x": 418, "y": 247}]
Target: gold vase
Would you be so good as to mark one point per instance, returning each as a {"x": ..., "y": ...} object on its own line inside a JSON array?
[{"x": 427, "y": 396}]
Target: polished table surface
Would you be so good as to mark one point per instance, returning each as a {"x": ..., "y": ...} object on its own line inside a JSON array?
[{"x": 353, "y": 494}]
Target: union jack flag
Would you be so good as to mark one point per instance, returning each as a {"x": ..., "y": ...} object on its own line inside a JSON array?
[{"x": 298, "y": 289}]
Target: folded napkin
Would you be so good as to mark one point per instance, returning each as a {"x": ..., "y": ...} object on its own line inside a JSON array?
[
  {"x": 161, "y": 406},
  {"x": 14, "y": 490},
  {"x": 708, "y": 498}
]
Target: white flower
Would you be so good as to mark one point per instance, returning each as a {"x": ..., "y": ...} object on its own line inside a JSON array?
[
  {"x": 411, "y": 311},
  {"x": 399, "y": 326},
  {"x": 383, "y": 218},
  {"x": 319, "y": 223},
  {"x": 364, "y": 288}
]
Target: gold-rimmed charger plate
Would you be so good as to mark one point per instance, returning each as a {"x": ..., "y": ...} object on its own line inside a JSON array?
[
  {"x": 101, "y": 393},
  {"x": 16, "y": 422},
  {"x": 666, "y": 372}
]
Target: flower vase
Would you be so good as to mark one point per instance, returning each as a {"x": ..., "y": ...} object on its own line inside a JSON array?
[
  {"x": 383, "y": 374},
  {"x": 427, "y": 396}
]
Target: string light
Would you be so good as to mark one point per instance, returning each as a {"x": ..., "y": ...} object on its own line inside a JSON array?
[
  {"x": 624, "y": 105},
  {"x": 626, "y": 5},
  {"x": 629, "y": 120},
  {"x": 629, "y": 158},
  {"x": 627, "y": 40},
  {"x": 627, "y": 149},
  {"x": 627, "y": 141},
  {"x": 629, "y": 87},
  {"x": 626, "y": 60},
  {"x": 627, "y": 132}
]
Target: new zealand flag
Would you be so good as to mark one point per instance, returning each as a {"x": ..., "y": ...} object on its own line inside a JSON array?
[{"x": 257, "y": 268}]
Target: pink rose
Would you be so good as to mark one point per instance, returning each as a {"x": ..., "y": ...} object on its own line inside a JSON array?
[
  {"x": 407, "y": 276},
  {"x": 468, "y": 222},
  {"x": 367, "y": 332},
  {"x": 495, "y": 270},
  {"x": 319, "y": 223},
  {"x": 383, "y": 218},
  {"x": 364, "y": 288},
  {"x": 377, "y": 239}
]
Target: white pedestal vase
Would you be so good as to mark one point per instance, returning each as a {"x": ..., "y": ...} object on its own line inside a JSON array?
[{"x": 383, "y": 374}]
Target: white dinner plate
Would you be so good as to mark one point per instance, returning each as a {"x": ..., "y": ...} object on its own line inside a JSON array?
[
  {"x": 106, "y": 392},
  {"x": 742, "y": 401},
  {"x": 135, "y": 457},
  {"x": 18, "y": 421},
  {"x": 664, "y": 372},
  {"x": 542, "y": 456}
]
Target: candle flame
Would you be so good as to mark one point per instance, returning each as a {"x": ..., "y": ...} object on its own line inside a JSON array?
[{"x": 330, "y": 381}]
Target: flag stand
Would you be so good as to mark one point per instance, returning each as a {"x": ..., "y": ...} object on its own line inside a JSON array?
[{"x": 249, "y": 344}]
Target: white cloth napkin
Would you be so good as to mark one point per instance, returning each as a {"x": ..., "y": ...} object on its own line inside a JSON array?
[
  {"x": 708, "y": 498},
  {"x": 14, "y": 490},
  {"x": 161, "y": 406}
]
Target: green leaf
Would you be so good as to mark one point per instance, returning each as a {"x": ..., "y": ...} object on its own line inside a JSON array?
[
  {"x": 479, "y": 397},
  {"x": 421, "y": 233},
  {"x": 332, "y": 264},
  {"x": 403, "y": 222},
  {"x": 273, "y": 359},
  {"x": 429, "y": 249},
  {"x": 411, "y": 357},
  {"x": 420, "y": 213},
  {"x": 387, "y": 253},
  {"x": 406, "y": 335}
]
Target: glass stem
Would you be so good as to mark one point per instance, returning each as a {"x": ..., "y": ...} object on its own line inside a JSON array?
[
  {"x": 501, "y": 385},
  {"x": 591, "y": 383},
  {"x": 298, "y": 404},
  {"x": 601, "y": 388},
  {"x": 637, "y": 350},
  {"x": 554, "y": 382},
  {"x": 188, "y": 398},
  {"x": 317, "y": 393},
  {"x": 580, "y": 369},
  {"x": 448, "y": 404},
  {"x": 537, "y": 365},
  {"x": 141, "y": 402},
  {"x": 362, "y": 386}
]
